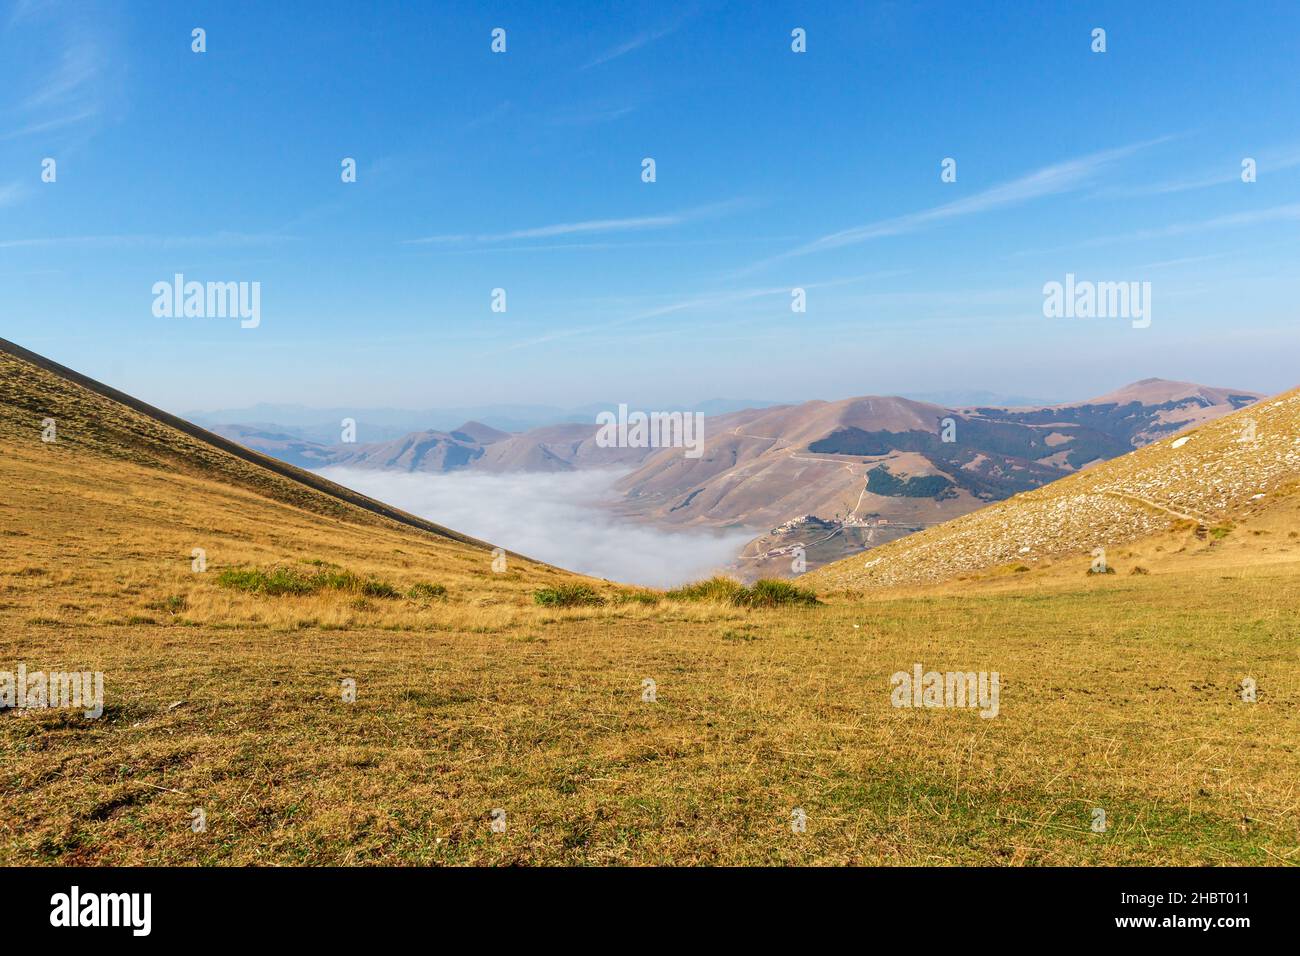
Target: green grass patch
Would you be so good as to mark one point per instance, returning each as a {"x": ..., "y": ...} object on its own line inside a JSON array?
[
  {"x": 636, "y": 597},
  {"x": 279, "y": 581},
  {"x": 427, "y": 592},
  {"x": 718, "y": 589},
  {"x": 774, "y": 593},
  {"x": 768, "y": 592},
  {"x": 568, "y": 595},
  {"x": 379, "y": 589}
]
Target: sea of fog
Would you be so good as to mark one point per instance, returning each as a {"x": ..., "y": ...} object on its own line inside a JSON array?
[{"x": 553, "y": 517}]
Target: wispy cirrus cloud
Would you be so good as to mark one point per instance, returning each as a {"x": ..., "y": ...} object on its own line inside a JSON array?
[
  {"x": 703, "y": 302},
  {"x": 695, "y": 303},
  {"x": 70, "y": 80},
  {"x": 1287, "y": 212},
  {"x": 587, "y": 227},
  {"x": 1058, "y": 178},
  {"x": 72, "y": 76},
  {"x": 636, "y": 43},
  {"x": 1268, "y": 161},
  {"x": 590, "y": 116},
  {"x": 44, "y": 126},
  {"x": 603, "y": 245}
]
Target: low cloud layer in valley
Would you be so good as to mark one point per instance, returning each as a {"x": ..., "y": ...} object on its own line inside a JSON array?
[{"x": 553, "y": 517}]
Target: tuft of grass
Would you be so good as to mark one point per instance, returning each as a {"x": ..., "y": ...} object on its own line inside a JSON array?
[
  {"x": 173, "y": 604},
  {"x": 568, "y": 595},
  {"x": 276, "y": 581},
  {"x": 427, "y": 592},
  {"x": 379, "y": 589},
  {"x": 636, "y": 597},
  {"x": 719, "y": 589},
  {"x": 768, "y": 592},
  {"x": 285, "y": 580},
  {"x": 1138, "y": 569}
]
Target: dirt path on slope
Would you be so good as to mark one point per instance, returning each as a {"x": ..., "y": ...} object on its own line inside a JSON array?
[{"x": 1155, "y": 504}]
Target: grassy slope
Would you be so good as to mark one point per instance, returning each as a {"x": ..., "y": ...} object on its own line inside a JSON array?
[{"x": 1118, "y": 692}]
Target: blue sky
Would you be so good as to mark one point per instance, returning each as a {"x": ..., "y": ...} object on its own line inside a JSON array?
[{"x": 775, "y": 170}]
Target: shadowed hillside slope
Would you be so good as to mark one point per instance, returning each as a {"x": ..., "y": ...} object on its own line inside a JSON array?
[{"x": 1235, "y": 468}]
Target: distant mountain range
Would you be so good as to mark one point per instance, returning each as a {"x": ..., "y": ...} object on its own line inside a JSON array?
[
  {"x": 470, "y": 445},
  {"x": 879, "y": 468},
  {"x": 843, "y": 475},
  {"x": 323, "y": 425}
]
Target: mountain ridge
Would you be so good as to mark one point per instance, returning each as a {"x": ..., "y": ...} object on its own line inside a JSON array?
[
  {"x": 882, "y": 467},
  {"x": 1225, "y": 470}
]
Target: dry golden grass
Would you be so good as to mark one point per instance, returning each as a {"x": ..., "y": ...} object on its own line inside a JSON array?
[{"x": 1118, "y": 692}]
